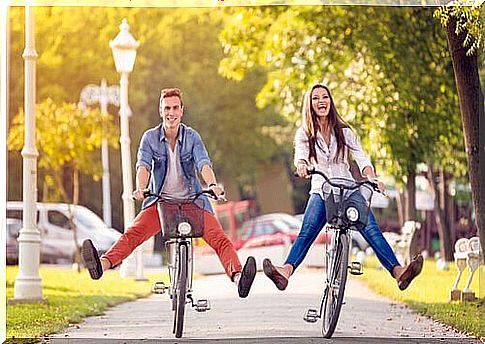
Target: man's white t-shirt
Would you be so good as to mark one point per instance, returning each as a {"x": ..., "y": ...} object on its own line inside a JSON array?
[{"x": 174, "y": 182}]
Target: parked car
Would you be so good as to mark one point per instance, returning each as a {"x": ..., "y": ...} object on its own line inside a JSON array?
[
  {"x": 56, "y": 233},
  {"x": 271, "y": 229},
  {"x": 13, "y": 228}
]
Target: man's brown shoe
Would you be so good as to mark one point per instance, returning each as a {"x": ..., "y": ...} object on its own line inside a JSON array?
[
  {"x": 91, "y": 260},
  {"x": 247, "y": 277}
]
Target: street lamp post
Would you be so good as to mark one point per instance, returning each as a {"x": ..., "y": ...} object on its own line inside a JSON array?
[
  {"x": 102, "y": 95},
  {"x": 27, "y": 287},
  {"x": 124, "y": 53}
]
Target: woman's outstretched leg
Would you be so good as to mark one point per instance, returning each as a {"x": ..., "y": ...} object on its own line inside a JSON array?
[
  {"x": 403, "y": 275},
  {"x": 313, "y": 222}
]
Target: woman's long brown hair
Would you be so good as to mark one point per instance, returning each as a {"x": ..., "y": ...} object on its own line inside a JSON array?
[{"x": 311, "y": 126}]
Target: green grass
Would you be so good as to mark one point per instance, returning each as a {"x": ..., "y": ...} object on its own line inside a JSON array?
[
  {"x": 429, "y": 294},
  {"x": 71, "y": 296}
]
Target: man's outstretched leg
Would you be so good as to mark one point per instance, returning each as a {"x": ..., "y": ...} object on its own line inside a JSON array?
[
  {"x": 145, "y": 225},
  {"x": 216, "y": 238}
]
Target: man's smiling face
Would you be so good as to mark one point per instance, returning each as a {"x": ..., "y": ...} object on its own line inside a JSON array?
[{"x": 171, "y": 112}]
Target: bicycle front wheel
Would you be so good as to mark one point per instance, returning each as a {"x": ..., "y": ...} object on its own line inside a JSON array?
[
  {"x": 334, "y": 290},
  {"x": 181, "y": 290}
]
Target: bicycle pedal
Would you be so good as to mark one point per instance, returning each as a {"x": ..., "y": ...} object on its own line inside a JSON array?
[
  {"x": 159, "y": 288},
  {"x": 356, "y": 268},
  {"x": 202, "y": 305},
  {"x": 311, "y": 316}
]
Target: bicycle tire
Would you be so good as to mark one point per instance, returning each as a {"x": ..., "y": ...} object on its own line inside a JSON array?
[
  {"x": 334, "y": 291},
  {"x": 181, "y": 292}
]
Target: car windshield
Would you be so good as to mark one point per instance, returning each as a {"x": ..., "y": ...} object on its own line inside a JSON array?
[
  {"x": 13, "y": 229},
  {"x": 246, "y": 229},
  {"x": 88, "y": 219},
  {"x": 282, "y": 225},
  {"x": 263, "y": 228},
  {"x": 291, "y": 221}
]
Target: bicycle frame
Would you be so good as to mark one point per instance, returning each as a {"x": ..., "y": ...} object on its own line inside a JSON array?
[
  {"x": 181, "y": 229},
  {"x": 173, "y": 248},
  {"x": 330, "y": 253}
]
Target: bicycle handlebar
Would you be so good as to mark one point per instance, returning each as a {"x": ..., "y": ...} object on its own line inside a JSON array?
[
  {"x": 374, "y": 185},
  {"x": 208, "y": 192}
]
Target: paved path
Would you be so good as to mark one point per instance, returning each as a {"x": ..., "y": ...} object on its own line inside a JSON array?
[{"x": 266, "y": 316}]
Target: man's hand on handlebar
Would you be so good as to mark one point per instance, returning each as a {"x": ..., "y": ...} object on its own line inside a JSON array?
[
  {"x": 218, "y": 191},
  {"x": 138, "y": 194}
]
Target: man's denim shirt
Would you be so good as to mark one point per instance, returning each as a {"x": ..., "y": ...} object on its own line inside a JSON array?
[{"x": 152, "y": 154}]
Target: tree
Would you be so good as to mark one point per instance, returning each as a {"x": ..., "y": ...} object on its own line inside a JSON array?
[
  {"x": 389, "y": 67},
  {"x": 66, "y": 137},
  {"x": 464, "y": 31},
  {"x": 179, "y": 47}
]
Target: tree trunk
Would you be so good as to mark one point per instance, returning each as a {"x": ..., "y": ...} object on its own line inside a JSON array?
[
  {"x": 400, "y": 211},
  {"x": 472, "y": 109},
  {"x": 410, "y": 214},
  {"x": 44, "y": 191},
  {"x": 446, "y": 204},
  {"x": 72, "y": 209},
  {"x": 65, "y": 197},
  {"x": 446, "y": 244}
]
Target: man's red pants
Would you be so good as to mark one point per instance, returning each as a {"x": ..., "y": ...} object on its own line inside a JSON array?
[{"x": 147, "y": 224}]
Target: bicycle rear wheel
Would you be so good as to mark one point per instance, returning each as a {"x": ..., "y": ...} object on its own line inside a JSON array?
[
  {"x": 334, "y": 290},
  {"x": 181, "y": 289}
]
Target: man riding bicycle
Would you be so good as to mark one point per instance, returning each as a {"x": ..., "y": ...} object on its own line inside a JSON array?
[{"x": 168, "y": 157}]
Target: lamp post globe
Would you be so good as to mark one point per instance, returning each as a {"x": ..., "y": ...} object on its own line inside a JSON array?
[{"x": 124, "y": 48}]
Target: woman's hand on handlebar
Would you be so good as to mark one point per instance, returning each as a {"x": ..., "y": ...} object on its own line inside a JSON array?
[
  {"x": 380, "y": 184},
  {"x": 302, "y": 169}
]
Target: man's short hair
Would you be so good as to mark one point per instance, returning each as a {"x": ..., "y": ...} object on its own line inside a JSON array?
[{"x": 171, "y": 92}]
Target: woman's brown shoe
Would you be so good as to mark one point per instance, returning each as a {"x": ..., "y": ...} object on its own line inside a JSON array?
[
  {"x": 412, "y": 270},
  {"x": 273, "y": 274}
]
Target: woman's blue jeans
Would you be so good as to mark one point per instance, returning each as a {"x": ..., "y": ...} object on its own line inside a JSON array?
[{"x": 313, "y": 222}]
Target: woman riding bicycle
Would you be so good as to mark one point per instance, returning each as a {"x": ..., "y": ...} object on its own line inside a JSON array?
[{"x": 325, "y": 141}]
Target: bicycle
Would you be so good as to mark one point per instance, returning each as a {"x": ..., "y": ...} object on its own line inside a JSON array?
[
  {"x": 181, "y": 220},
  {"x": 347, "y": 204}
]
